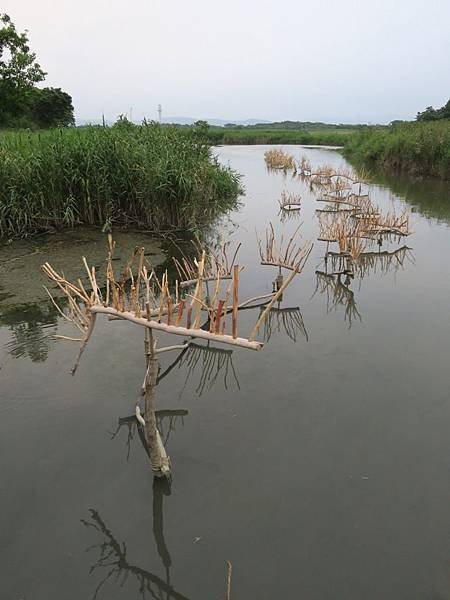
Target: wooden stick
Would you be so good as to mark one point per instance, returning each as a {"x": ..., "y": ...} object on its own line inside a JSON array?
[
  {"x": 229, "y": 572},
  {"x": 218, "y": 318},
  {"x": 184, "y": 331},
  {"x": 274, "y": 299},
  {"x": 235, "y": 300}
]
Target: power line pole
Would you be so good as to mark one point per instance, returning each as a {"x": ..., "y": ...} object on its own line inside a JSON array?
[{"x": 159, "y": 112}]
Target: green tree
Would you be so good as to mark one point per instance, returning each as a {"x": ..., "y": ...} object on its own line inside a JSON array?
[
  {"x": 51, "y": 107},
  {"x": 19, "y": 72},
  {"x": 429, "y": 114},
  {"x": 444, "y": 111}
]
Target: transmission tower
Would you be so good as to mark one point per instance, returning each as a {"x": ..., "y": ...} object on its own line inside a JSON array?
[{"x": 159, "y": 112}]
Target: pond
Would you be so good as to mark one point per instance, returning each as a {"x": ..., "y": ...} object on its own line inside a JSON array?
[{"x": 318, "y": 466}]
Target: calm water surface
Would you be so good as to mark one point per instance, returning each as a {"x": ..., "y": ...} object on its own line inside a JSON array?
[{"x": 319, "y": 467}]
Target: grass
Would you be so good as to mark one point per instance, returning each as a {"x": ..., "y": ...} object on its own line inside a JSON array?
[
  {"x": 154, "y": 177},
  {"x": 413, "y": 148},
  {"x": 253, "y": 135}
]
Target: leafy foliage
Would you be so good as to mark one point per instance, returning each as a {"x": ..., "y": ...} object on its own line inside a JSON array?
[
  {"x": 432, "y": 114},
  {"x": 21, "y": 103},
  {"x": 51, "y": 107}
]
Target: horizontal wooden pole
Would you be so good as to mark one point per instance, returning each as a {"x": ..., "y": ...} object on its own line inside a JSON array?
[{"x": 184, "y": 331}]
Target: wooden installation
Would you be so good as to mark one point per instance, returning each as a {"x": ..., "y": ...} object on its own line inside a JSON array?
[
  {"x": 289, "y": 201},
  {"x": 187, "y": 308},
  {"x": 290, "y": 255},
  {"x": 217, "y": 262},
  {"x": 278, "y": 159}
]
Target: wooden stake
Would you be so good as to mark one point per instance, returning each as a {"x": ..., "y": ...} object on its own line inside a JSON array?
[{"x": 235, "y": 300}]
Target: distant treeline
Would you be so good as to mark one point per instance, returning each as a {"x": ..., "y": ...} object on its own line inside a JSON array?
[
  {"x": 420, "y": 148},
  {"x": 293, "y": 125},
  {"x": 256, "y": 135}
]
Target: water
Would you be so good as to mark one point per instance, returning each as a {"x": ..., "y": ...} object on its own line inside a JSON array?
[{"x": 319, "y": 466}]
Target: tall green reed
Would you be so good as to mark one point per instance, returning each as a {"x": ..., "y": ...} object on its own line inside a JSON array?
[{"x": 148, "y": 176}]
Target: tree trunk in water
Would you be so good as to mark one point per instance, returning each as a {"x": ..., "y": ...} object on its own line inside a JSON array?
[{"x": 158, "y": 456}]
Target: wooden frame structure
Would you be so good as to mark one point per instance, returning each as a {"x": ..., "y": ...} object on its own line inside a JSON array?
[{"x": 139, "y": 296}]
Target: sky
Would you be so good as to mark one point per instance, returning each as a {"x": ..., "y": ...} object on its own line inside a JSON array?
[{"x": 338, "y": 61}]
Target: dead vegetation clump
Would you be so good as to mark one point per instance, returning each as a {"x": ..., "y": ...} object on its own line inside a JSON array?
[{"x": 278, "y": 159}]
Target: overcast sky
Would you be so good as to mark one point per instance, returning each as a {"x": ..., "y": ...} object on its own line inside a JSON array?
[{"x": 309, "y": 60}]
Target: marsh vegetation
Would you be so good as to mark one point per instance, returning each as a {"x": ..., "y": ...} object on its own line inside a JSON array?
[
  {"x": 152, "y": 177},
  {"x": 421, "y": 148}
]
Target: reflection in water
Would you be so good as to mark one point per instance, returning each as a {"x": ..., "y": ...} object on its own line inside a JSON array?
[
  {"x": 285, "y": 320},
  {"x": 210, "y": 362},
  {"x": 131, "y": 426},
  {"x": 31, "y": 327},
  {"x": 341, "y": 270},
  {"x": 429, "y": 197},
  {"x": 112, "y": 555},
  {"x": 337, "y": 294}
]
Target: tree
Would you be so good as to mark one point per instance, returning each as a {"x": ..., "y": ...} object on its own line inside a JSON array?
[
  {"x": 19, "y": 72},
  {"x": 201, "y": 128},
  {"x": 51, "y": 107},
  {"x": 431, "y": 114}
]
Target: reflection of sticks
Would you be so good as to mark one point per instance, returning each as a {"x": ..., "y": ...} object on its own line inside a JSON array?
[
  {"x": 289, "y": 320},
  {"x": 383, "y": 260},
  {"x": 338, "y": 294},
  {"x": 212, "y": 362},
  {"x": 113, "y": 556}
]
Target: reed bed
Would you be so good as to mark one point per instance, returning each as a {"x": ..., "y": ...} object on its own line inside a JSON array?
[
  {"x": 418, "y": 148},
  {"x": 154, "y": 177}
]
